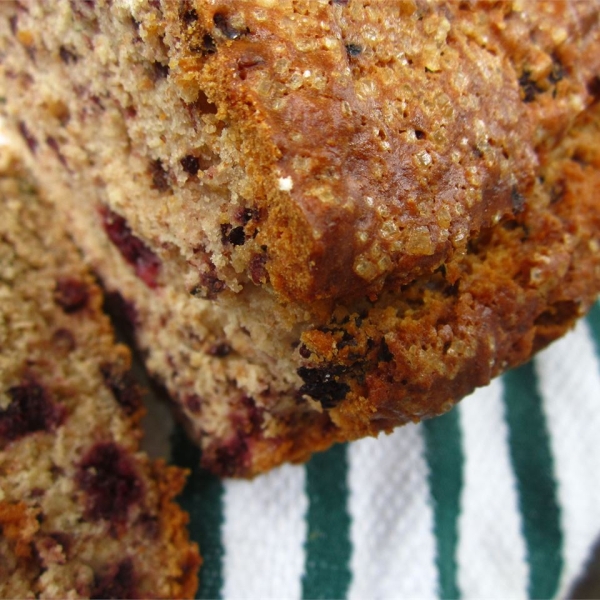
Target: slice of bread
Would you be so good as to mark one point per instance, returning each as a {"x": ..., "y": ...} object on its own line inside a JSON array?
[
  {"x": 325, "y": 219},
  {"x": 83, "y": 513}
]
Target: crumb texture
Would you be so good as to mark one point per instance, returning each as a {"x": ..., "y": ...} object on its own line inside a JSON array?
[
  {"x": 83, "y": 513},
  {"x": 322, "y": 219}
]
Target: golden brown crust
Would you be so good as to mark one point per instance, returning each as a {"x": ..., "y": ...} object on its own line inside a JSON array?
[
  {"x": 521, "y": 285},
  {"x": 388, "y": 122},
  {"x": 18, "y": 525},
  {"x": 173, "y": 521}
]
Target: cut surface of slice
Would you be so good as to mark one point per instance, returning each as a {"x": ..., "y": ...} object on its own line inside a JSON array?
[
  {"x": 83, "y": 512},
  {"x": 324, "y": 219}
]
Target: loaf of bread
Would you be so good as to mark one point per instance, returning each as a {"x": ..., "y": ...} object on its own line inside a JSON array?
[
  {"x": 83, "y": 513},
  {"x": 323, "y": 218}
]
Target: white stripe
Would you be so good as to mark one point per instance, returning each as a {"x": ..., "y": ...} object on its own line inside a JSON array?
[
  {"x": 569, "y": 376},
  {"x": 392, "y": 519},
  {"x": 491, "y": 550},
  {"x": 264, "y": 532}
]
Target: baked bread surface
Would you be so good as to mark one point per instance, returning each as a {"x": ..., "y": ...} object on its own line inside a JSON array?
[
  {"x": 324, "y": 219},
  {"x": 83, "y": 513},
  {"x": 385, "y": 135}
]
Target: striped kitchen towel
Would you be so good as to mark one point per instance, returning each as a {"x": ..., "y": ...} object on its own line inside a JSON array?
[{"x": 500, "y": 498}]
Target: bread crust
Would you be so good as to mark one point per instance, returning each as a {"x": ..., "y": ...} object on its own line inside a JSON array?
[
  {"x": 325, "y": 219},
  {"x": 402, "y": 130}
]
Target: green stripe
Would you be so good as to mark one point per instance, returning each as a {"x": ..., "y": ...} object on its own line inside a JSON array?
[
  {"x": 328, "y": 547},
  {"x": 532, "y": 461},
  {"x": 594, "y": 323},
  {"x": 203, "y": 499},
  {"x": 443, "y": 450}
]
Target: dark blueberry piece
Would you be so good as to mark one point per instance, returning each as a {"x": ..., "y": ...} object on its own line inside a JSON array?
[
  {"x": 193, "y": 403},
  {"x": 223, "y": 24},
  {"x": 145, "y": 263},
  {"x": 71, "y": 295},
  {"x": 322, "y": 385},
  {"x": 210, "y": 286},
  {"x": 31, "y": 410},
  {"x": 530, "y": 88},
  {"x": 237, "y": 236},
  {"x": 13, "y": 24},
  {"x": 384, "y": 354},
  {"x": 118, "y": 581},
  {"x": 108, "y": 476},
  {"x": 353, "y": 49},
  {"x": 230, "y": 457},
  {"x": 252, "y": 413},
  {"x": 160, "y": 177},
  {"x": 64, "y": 340},
  {"x": 219, "y": 349},
  {"x": 32, "y": 143},
  {"x": 518, "y": 200},
  {"x": 420, "y": 135},
  {"x": 258, "y": 269},
  {"x": 123, "y": 386},
  {"x": 304, "y": 351},
  {"x": 190, "y": 164},
  {"x": 67, "y": 56}
]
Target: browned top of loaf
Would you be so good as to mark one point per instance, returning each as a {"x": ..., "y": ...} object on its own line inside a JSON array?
[{"x": 384, "y": 135}]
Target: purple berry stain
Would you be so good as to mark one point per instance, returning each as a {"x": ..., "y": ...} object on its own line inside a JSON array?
[
  {"x": 31, "y": 410},
  {"x": 230, "y": 457},
  {"x": 233, "y": 455},
  {"x": 145, "y": 263},
  {"x": 108, "y": 475},
  {"x": 118, "y": 581},
  {"x": 71, "y": 294}
]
